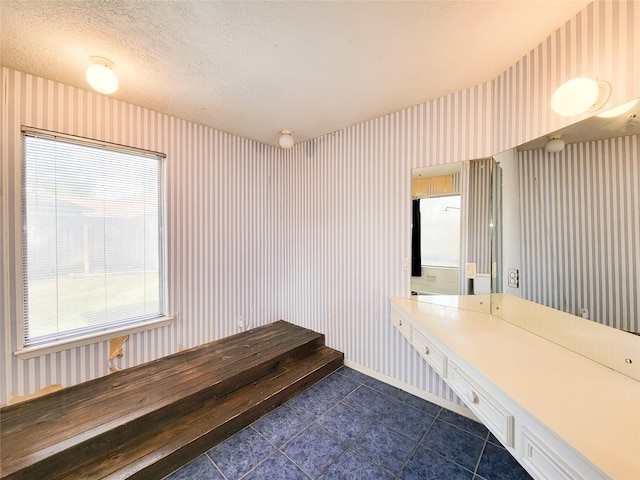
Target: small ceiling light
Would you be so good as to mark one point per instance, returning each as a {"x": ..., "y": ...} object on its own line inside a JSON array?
[
  {"x": 555, "y": 144},
  {"x": 619, "y": 110},
  {"x": 286, "y": 140},
  {"x": 101, "y": 77},
  {"x": 580, "y": 95}
]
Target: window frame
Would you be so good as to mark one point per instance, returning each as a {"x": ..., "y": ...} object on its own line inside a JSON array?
[{"x": 108, "y": 330}]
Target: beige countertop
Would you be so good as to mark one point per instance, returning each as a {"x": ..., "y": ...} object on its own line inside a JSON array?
[{"x": 591, "y": 407}]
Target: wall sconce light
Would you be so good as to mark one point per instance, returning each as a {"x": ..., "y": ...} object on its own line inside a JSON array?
[
  {"x": 580, "y": 95},
  {"x": 555, "y": 144},
  {"x": 101, "y": 77},
  {"x": 285, "y": 140}
]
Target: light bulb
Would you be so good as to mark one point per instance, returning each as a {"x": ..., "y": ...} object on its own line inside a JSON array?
[
  {"x": 101, "y": 77},
  {"x": 285, "y": 140},
  {"x": 555, "y": 145},
  {"x": 575, "y": 96}
]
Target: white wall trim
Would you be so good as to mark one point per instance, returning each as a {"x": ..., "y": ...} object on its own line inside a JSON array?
[
  {"x": 53, "y": 347},
  {"x": 441, "y": 402}
]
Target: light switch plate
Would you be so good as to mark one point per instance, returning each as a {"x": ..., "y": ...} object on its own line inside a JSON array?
[{"x": 471, "y": 270}]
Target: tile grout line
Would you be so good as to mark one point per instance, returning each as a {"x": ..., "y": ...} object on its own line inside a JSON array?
[
  {"x": 357, "y": 437},
  {"x": 206, "y": 454},
  {"x": 315, "y": 421},
  {"x": 415, "y": 448},
  {"x": 417, "y": 444},
  {"x": 484, "y": 446},
  {"x": 349, "y": 445},
  {"x": 436, "y": 418}
]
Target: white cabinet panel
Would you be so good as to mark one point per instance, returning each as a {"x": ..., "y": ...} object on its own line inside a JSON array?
[
  {"x": 402, "y": 324},
  {"x": 543, "y": 462},
  {"x": 430, "y": 352},
  {"x": 487, "y": 408}
]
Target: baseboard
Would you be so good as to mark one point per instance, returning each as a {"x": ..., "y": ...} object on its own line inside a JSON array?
[{"x": 454, "y": 407}]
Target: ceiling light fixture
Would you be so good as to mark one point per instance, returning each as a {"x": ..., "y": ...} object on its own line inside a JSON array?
[
  {"x": 101, "y": 77},
  {"x": 580, "y": 95},
  {"x": 555, "y": 144},
  {"x": 285, "y": 140},
  {"x": 619, "y": 110}
]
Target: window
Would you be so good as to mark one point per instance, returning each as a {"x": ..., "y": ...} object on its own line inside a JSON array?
[
  {"x": 93, "y": 242},
  {"x": 440, "y": 231}
]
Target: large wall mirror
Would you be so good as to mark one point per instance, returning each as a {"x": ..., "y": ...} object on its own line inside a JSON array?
[
  {"x": 569, "y": 225},
  {"x": 451, "y": 233},
  {"x": 565, "y": 239}
]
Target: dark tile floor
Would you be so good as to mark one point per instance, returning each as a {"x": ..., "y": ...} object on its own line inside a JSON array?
[{"x": 351, "y": 426}]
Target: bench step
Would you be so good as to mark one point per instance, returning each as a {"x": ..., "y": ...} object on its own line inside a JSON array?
[{"x": 146, "y": 421}]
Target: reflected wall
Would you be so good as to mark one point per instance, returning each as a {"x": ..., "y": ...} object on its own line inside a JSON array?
[{"x": 581, "y": 230}]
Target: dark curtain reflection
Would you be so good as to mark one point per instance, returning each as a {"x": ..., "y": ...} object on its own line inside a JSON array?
[{"x": 416, "y": 267}]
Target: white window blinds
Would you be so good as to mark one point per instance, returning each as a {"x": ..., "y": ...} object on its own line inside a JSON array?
[{"x": 93, "y": 247}]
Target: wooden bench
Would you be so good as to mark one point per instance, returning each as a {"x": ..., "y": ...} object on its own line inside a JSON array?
[{"x": 146, "y": 421}]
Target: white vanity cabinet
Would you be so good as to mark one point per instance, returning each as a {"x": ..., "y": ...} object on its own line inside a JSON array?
[{"x": 538, "y": 399}]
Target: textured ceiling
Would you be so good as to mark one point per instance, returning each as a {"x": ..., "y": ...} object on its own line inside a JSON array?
[{"x": 254, "y": 68}]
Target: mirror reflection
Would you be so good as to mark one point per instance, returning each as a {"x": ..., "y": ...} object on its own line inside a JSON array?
[
  {"x": 451, "y": 231},
  {"x": 570, "y": 230},
  {"x": 435, "y": 235}
]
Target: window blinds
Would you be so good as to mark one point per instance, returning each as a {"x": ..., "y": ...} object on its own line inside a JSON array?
[{"x": 93, "y": 247}]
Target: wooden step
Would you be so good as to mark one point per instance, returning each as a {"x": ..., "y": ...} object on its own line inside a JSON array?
[
  {"x": 217, "y": 357},
  {"x": 48, "y": 436},
  {"x": 170, "y": 446}
]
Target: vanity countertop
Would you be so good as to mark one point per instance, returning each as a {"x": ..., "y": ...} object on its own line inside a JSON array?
[{"x": 592, "y": 408}]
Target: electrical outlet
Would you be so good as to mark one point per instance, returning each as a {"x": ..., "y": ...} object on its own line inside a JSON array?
[
  {"x": 584, "y": 312},
  {"x": 513, "y": 279},
  {"x": 240, "y": 323},
  {"x": 405, "y": 264}
]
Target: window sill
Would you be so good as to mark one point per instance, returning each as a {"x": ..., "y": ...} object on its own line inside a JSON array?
[{"x": 54, "y": 347}]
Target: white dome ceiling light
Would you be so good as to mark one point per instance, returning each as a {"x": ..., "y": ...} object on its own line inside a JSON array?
[
  {"x": 555, "y": 144},
  {"x": 285, "y": 140},
  {"x": 101, "y": 77},
  {"x": 580, "y": 95}
]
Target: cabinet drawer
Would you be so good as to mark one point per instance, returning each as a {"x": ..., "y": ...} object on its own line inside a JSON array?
[
  {"x": 488, "y": 409},
  {"x": 401, "y": 324},
  {"x": 432, "y": 354},
  {"x": 542, "y": 461}
]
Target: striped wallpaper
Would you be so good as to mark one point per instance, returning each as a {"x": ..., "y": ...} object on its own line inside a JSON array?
[
  {"x": 498, "y": 258},
  {"x": 345, "y": 207},
  {"x": 480, "y": 214},
  {"x": 220, "y": 216},
  {"x": 581, "y": 231},
  {"x": 475, "y": 219},
  {"x": 315, "y": 235}
]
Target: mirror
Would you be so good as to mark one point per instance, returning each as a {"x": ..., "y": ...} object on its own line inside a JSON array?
[
  {"x": 435, "y": 230},
  {"x": 569, "y": 226},
  {"x": 563, "y": 245},
  {"x": 451, "y": 234}
]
